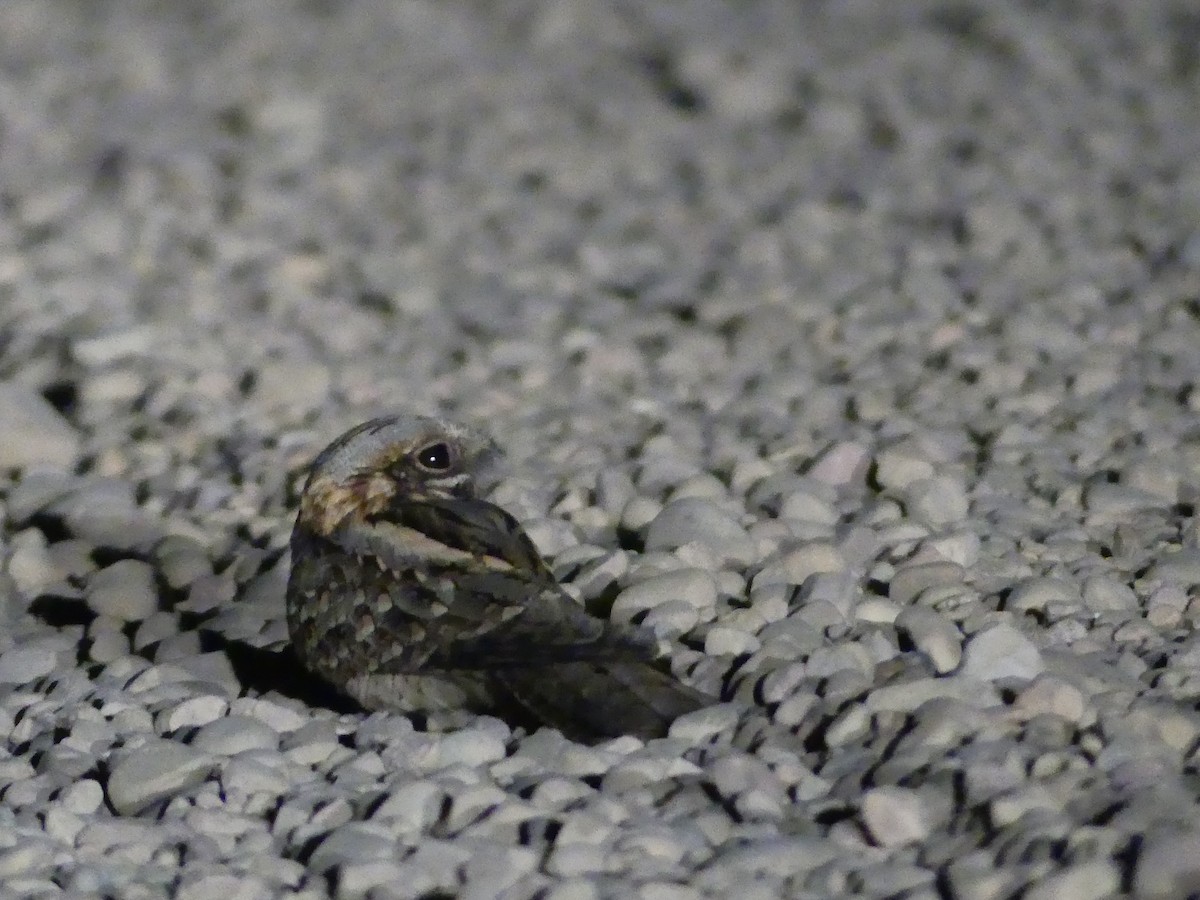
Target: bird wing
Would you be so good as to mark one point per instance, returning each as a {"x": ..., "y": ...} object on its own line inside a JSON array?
[{"x": 464, "y": 575}]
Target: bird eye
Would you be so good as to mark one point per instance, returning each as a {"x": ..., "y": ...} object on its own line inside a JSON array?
[{"x": 436, "y": 456}]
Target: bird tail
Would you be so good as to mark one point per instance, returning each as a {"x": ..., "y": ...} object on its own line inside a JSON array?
[{"x": 590, "y": 701}]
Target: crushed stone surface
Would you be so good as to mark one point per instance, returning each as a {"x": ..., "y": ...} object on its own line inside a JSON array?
[{"x": 852, "y": 347}]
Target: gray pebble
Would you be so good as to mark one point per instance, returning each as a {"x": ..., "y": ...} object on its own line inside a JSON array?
[
  {"x": 1001, "y": 651},
  {"x": 231, "y": 735},
  {"x": 1179, "y": 567},
  {"x": 695, "y": 587},
  {"x": 894, "y": 816},
  {"x": 21, "y": 665},
  {"x": 411, "y": 807},
  {"x": 104, "y": 511},
  {"x": 1105, "y": 594},
  {"x": 1113, "y": 502},
  {"x": 911, "y": 579},
  {"x": 31, "y": 566},
  {"x": 898, "y": 466},
  {"x": 1039, "y": 593},
  {"x": 933, "y": 635},
  {"x": 191, "y": 713},
  {"x": 1050, "y": 695},
  {"x": 909, "y": 695},
  {"x": 693, "y": 519},
  {"x": 104, "y": 349},
  {"x": 279, "y": 717},
  {"x": 255, "y": 773},
  {"x": 937, "y": 501},
  {"x": 221, "y": 886},
  {"x": 798, "y": 565},
  {"x": 83, "y": 797},
  {"x": 1168, "y": 864},
  {"x": 1080, "y": 881},
  {"x": 313, "y": 744},
  {"x": 841, "y": 463},
  {"x": 674, "y": 618},
  {"x": 724, "y": 641},
  {"x": 697, "y": 726},
  {"x": 34, "y": 433},
  {"x": 353, "y": 842},
  {"x": 124, "y": 591},
  {"x": 182, "y": 561},
  {"x": 153, "y": 772}
]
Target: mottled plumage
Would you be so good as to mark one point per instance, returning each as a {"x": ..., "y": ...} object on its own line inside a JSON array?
[{"x": 407, "y": 592}]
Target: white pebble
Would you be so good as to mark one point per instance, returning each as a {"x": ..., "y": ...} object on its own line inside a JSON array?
[
  {"x": 123, "y": 591},
  {"x": 20, "y": 665},
  {"x": 1001, "y": 652},
  {"x": 153, "y": 772},
  {"x": 34, "y": 433},
  {"x": 697, "y": 726},
  {"x": 894, "y": 816},
  {"x": 937, "y": 501},
  {"x": 694, "y": 519},
  {"x": 695, "y": 587},
  {"x": 934, "y": 635},
  {"x": 724, "y": 641}
]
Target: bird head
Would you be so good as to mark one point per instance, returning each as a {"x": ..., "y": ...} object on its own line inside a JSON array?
[{"x": 389, "y": 459}]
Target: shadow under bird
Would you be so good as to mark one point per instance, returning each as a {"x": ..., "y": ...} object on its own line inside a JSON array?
[{"x": 408, "y": 592}]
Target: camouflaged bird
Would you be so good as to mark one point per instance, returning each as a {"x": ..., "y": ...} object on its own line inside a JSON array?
[{"x": 408, "y": 592}]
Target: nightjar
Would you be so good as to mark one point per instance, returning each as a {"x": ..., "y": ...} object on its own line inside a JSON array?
[{"x": 408, "y": 592}]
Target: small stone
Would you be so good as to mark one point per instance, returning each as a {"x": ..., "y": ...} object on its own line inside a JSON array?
[
  {"x": 798, "y": 565},
  {"x": 34, "y": 433},
  {"x": 191, "y": 713},
  {"x": 82, "y": 797},
  {"x": 802, "y": 506},
  {"x": 1105, "y": 594},
  {"x": 702, "y": 724},
  {"x": 694, "y": 519},
  {"x": 153, "y": 772},
  {"x": 934, "y": 635},
  {"x": 894, "y": 816},
  {"x": 291, "y": 384},
  {"x": 1048, "y": 694},
  {"x": 907, "y": 696},
  {"x": 937, "y": 501},
  {"x": 1082, "y": 881},
  {"x": 471, "y": 747},
  {"x": 841, "y": 463},
  {"x": 899, "y": 466},
  {"x": 104, "y": 511},
  {"x": 124, "y": 591},
  {"x": 411, "y": 807},
  {"x": 910, "y": 580},
  {"x": 1038, "y": 593},
  {"x": 1181, "y": 567},
  {"x": 21, "y": 665},
  {"x": 725, "y": 641},
  {"x": 231, "y": 735},
  {"x": 279, "y": 717},
  {"x": 672, "y": 619},
  {"x": 182, "y": 562},
  {"x": 219, "y": 886},
  {"x": 695, "y": 587},
  {"x": 31, "y": 565},
  {"x": 1001, "y": 652},
  {"x": 1116, "y": 501},
  {"x": 114, "y": 345}
]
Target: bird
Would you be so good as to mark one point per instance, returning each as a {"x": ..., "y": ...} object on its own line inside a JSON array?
[{"x": 408, "y": 592}]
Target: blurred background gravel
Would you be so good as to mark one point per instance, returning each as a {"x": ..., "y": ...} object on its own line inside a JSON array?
[{"x": 852, "y": 346}]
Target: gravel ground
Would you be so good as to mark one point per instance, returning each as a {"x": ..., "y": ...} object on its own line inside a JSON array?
[{"x": 852, "y": 346}]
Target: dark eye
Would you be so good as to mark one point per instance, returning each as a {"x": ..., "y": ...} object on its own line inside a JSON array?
[{"x": 436, "y": 456}]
